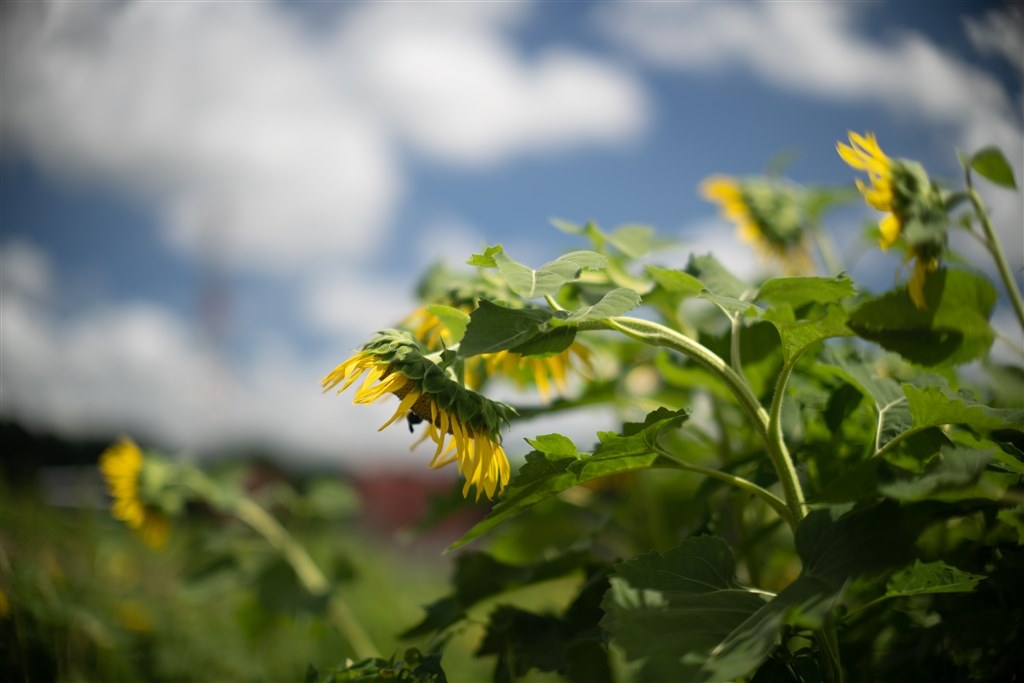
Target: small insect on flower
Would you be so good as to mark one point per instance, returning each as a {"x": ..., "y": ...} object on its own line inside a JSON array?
[
  {"x": 122, "y": 465},
  {"x": 464, "y": 425}
]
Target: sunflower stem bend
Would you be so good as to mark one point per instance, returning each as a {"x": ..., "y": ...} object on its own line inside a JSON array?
[{"x": 656, "y": 334}]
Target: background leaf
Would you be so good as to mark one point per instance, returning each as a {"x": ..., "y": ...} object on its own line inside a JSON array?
[
  {"x": 990, "y": 163},
  {"x": 930, "y": 577},
  {"x": 615, "y": 302},
  {"x": 952, "y": 330}
]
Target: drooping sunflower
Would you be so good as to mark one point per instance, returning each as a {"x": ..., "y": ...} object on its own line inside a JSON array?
[
  {"x": 121, "y": 465},
  {"x": 464, "y": 425},
  {"x": 864, "y": 154},
  {"x": 915, "y": 210},
  {"x": 769, "y": 215}
]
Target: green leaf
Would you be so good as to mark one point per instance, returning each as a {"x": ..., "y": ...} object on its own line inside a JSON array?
[
  {"x": 952, "y": 330},
  {"x": 715, "y": 277},
  {"x": 690, "y": 592},
  {"x": 833, "y": 549},
  {"x": 730, "y": 304},
  {"x": 615, "y": 302},
  {"x": 676, "y": 281},
  {"x": 479, "y": 576},
  {"x": 956, "y": 468},
  {"x": 798, "y": 291},
  {"x": 991, "y": 164},
  {"x": 638, "y": 437},
  {"x": 721, "y": 631},
  {"x": 486, "y": 259},
  {"x": 798, "y": 335},
  {"x": 453, "y": 319},
  {"x": 632, "y": 240},
  {"x": 890, "y": 402},
  {"x": 529, "y": 283},
  {"x": 494, "y": 328},
  {"x": 931, "y": 406},
  {"x": 922, "y": 578},
  {"x": 546, "y": 343}
]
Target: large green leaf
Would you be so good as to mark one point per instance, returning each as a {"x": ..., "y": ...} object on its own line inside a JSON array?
[
  {"x": 952, "y": 329},
  {"x": 615, "y": 302},
  {"x": 675, "y": 281},
  {"x": 798, "y": 334},
  {"x": 891, "y": 407},
  {"x": 494, "y": 328},
  {"x": 690, "y": 592},
  {"x": 530, "y": 283},
  {"x": 956, "y": 468},
  {"x": 716, "y": 278},
  {"x": 797, "y": 291},
  {"x": 721, "y": 631},
  {"x": 479, "y": 576},
  {"x": 932, "y": 406}
]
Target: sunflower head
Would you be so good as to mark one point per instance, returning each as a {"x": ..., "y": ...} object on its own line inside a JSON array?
[
  {"x": 915, "y": 208},
  {"x": 769, "y": 214},
  {"x": 465, "y": 426},
  {"x": 123, "y": 465}
]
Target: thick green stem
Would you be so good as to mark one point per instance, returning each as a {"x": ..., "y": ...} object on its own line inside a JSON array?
[
  {"x": 996, "y": 249},
  {"x": 776, "y": 437},
  {"x": 659, "y": 335}
]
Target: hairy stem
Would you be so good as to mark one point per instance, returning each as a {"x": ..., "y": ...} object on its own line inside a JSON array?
[
  {"x": 995, "y": 248},
  {"x": 658, "y": 335}
]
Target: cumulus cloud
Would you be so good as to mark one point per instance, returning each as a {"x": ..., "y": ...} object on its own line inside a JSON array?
[
  {"x": 243, "y": 120},
  {"x": 138, "y": 368},
  {"x": 822, "y": 50},
  {"x": 999, "y": 33}
]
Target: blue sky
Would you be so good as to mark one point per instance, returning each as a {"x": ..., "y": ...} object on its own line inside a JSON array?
[{"x": 206, "y": 206}]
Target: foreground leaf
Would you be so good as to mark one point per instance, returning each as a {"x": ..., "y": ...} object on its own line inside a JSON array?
[{"x": 722, "y": 631}]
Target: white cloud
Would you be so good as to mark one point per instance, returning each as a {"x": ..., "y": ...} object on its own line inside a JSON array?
[
  {"x": 240, "y": 120},
  {"x": 821, "y": 49},
  {"x": 999, "y": 33},
  {"x": 139, "y": 369}
]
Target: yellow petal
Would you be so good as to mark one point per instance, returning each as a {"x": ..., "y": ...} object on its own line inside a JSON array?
[{"x": 890, "y": 228}]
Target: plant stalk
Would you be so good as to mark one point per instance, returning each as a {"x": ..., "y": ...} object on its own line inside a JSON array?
[
  {"x": 656, "y": 334},
  {"x": 995, "y": 248}
]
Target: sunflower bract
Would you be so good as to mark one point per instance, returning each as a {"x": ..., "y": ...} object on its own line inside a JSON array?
[{"x": 464, "y": 425}]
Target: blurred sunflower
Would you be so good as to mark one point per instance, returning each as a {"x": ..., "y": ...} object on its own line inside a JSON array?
[
  {"x": 122, "y": 465},
  {"x": 543, "y": 370},
  {"x": 463, "y": 424},
  {"x": 769, "y": 215},
  {"x": 914, "y": 208}
]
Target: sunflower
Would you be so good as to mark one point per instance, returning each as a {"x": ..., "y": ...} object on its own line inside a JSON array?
[
  {"x": 464, "y": 425},
  {"x": 864, "y": 154},
  {"x": 769, "y": 215},
  {"x": 544, "y": 371},
  {"x": 915, "y": 210},
  {"x": 121, "y": 465}
]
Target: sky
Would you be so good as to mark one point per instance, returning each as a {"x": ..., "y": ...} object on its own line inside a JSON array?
[{"x": 205, "y": 206}]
